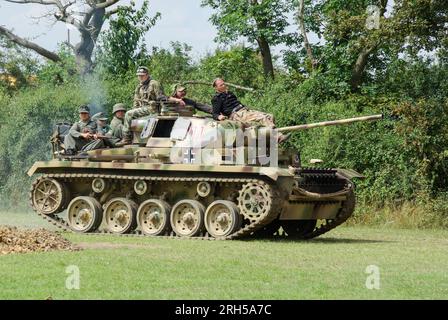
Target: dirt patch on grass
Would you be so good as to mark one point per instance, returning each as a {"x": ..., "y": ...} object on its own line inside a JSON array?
[{"x": 14, "y": 240}]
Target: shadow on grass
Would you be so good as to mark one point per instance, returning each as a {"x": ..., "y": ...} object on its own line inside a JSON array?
[{"x": 318, "y": 240}]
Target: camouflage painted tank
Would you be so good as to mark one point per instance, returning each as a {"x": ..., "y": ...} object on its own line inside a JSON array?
[{"x": 191, "y": 176}]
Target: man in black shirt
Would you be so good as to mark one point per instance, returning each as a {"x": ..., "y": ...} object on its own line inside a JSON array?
[{"x": 227, "y": 106}]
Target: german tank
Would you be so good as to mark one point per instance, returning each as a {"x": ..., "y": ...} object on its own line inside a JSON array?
[{"x": 191, "y": 176}]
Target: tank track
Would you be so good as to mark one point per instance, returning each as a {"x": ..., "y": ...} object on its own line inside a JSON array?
[
  {"x": 247, "y": 230},
  {"x": 346, "y": 212}
]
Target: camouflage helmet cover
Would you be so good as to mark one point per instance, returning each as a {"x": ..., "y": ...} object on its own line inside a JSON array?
[
  {"x": 118, "y": 107},
  {"x": 84, "y": 109},
  {"x": 142, "y": 71}
]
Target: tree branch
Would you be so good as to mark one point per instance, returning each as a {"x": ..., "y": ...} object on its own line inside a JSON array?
[
  {"x": 106, "y": 4},
  {"x": 209, "y": 83},
  {"x": 47, "y": 2},
  {"x": 306, "y": 42},
  {"x": 30, "y": 45}
]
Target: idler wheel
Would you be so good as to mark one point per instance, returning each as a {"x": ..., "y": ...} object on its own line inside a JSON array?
[
  {"x": 153, "y": 217},
  {"x": 187, "y": 218},
  {"x": 84, "y": 214},
  {"x": 222, "y": 218},
  {"x": 120, "y": 215},
  {"x": 49, "y": 196}
]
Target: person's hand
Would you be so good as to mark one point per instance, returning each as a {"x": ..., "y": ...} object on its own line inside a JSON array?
[
  {"x": 86, "y": 135},
  {"x": 181, "y": 102},
  {"x": 221, "y": 117}
]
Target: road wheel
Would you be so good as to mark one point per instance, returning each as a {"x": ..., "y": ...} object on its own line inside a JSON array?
[
  {"x": 120, "y": 215},
  {"x": 153, "y": 217},
  {"x": 187, "y": 218},
  {"x": 222, "y": 218},
  {"x": 84, "y": 214}
]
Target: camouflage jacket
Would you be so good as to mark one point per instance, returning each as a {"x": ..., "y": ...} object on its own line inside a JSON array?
[
  {"x": 116, "y": 128},
  {"x": 147, "y": 92},
  {"x": 82, "y": 127}
]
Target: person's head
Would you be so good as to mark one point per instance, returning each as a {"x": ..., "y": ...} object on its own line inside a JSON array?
[
  {"x": 84, "y": 113},
  {"x": 119, "y": 110},
  {"x": 179, "y": 91},
  {"x": 102, "y": 122},
  {"x": 142, "y": 74},
  {"x": 219, "y": 85}
]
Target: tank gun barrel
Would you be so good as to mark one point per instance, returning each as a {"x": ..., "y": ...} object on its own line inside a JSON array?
[{"x": 330, "y": 123}]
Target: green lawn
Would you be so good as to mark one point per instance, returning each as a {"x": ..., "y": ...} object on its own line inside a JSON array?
[{"x": 413, "y": 264}]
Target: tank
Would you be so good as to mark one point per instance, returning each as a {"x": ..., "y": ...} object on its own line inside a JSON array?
[{"x": 191, "y": 176}]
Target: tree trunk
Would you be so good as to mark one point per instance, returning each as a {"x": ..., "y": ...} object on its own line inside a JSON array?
[
  {"x": 363, "y": 57},
  {"x": 306, "y": 43},
  {"x": 359, "y": 68},
  {"x": 266, "y": 56},
  {"x": 84, "y": 49}
]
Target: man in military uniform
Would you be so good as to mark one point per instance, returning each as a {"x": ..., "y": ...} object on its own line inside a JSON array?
[
  {"x": 82, "y": 134},
  {"x": 179, "y": 92},
  {"x": 116, "y": 125},
  {"x": 103, "y": 127},
  {"x": 147, "y": 98},
  {"x": 227, "y": 106},
  {"x": 110, "y": 134}
]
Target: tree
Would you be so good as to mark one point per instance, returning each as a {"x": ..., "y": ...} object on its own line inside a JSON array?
[
  {"x": 356, "y": 50},
  {"x": 87, "y": 16},
  {"x": 121, "y": 46},
  {"x": 262, "y": 22}
]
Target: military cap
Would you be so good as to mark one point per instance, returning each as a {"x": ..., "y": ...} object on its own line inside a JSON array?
[
  {"x": 96, "y": 116},
  {"x": 118, "y": 107},
  {"x": 142, "y": 71},
  {"x": 178, "y": 87},
  {"x": 84, "y": 109}
]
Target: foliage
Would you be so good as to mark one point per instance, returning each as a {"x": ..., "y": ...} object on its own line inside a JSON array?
[
  {"x": 61, "y": 72},
  {"x": 17, "y": 66},
  {"x": 26, "y": 128},
  {"x": 122, "y": 47},
  {"x": 251, "y": 19},
  {"x": 262, "y": 23},
  {"x": 169, "y": 65}
]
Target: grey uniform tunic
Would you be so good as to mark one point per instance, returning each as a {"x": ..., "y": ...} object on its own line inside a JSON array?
[{"x": 74, "y": 140}]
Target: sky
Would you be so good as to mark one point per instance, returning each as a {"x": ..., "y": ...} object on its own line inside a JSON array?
[{"x": 187, "y": 23}]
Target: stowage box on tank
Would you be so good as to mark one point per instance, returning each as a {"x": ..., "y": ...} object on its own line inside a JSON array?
[{"x": 192, "y": 176}]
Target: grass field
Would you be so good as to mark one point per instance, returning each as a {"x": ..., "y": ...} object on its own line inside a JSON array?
[{"x": 413, "y": 264}]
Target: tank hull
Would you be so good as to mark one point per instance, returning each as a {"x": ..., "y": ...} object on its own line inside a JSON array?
[{"x": 263, "y": 200}]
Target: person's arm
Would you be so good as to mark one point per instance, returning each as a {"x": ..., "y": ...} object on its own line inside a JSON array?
[
  {"x": 176, "y": 100},
  {"x": 216, "y": 107},
  {"x": 202, "y": 107},
  {"x": 74, "y": 131},
  {"x": 136, "y": 97}
]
